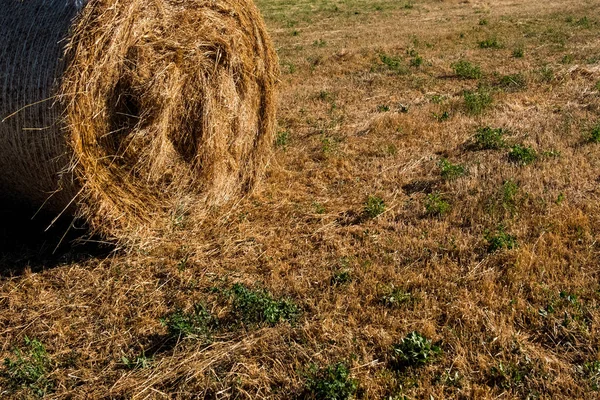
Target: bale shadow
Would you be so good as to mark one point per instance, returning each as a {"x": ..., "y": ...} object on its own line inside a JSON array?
[
  {"x": 30, "y": 241},
  {"x": 420, "y": 186}
]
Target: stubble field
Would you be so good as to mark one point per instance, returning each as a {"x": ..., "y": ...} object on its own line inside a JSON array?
[{"x": 428, "y": 229}]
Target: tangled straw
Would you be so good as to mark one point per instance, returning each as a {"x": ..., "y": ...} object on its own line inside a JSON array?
[{"x": 130, "y": 110}]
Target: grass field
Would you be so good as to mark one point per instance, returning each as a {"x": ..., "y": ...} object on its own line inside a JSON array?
[{"x": 428, "y": 229}]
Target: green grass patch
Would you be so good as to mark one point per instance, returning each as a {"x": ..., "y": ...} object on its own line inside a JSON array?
[
  {"x": 383, "y": 108},
  {"x": 594, "y": 134},
  {"x": 451, "y": 171},
  {"x": 512, "y": 83},
  {"x": 319, "y": 208},
  {"x": 509, "y": 376},
  {"x": 518, "y": 52},
  {"x": 27, "y": 371},
  {"x": 444, "y": 116},
  {"x": 466, "y": 70},
  {"x": 319, "y": 43},
  {"x": 490, "y": 43},
  {"x": 499, "y": 240},
  {"x": 416, "y": 59},
  {"x": 332, "y": 382},
  {"x": 257, "y": 306},
  {"x": 139, "y": 361},
  {"x": 567, "y": 59},
  {"x": 522, "y": 155},
  {"x": 488, "y": 138},
  {"x": 436, "y": 205},
  {"x": 341, "y": 277},
  {"x": 476, "y": 102},
  {"x": 329, "y": 144},
  {"x": 413, "y": 351},
  {"x": 508, "y": 193},
  {"x": 546, "y": 74},
  {"x": 393, "y": 63},
  {"x": 282, "y": 139},
  {"x": 394, "y": 297},
  {"x": 591, "y": 370},
  {"x": 374, "y": 206},
  {"x": 197, "y": 323}
]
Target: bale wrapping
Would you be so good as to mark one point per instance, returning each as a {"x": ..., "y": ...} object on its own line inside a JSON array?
[{"x": 123, "y": 113}]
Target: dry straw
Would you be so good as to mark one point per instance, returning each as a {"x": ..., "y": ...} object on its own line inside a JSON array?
[{"x": 124, "y": 112}]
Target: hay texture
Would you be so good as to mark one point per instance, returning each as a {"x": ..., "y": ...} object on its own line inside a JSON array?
[{"x": 123, "y": 113}]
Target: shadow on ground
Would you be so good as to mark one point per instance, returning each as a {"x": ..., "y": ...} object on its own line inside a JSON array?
[{"x": 33, "y": 243}]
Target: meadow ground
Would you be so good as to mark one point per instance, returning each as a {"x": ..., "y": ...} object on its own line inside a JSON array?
[{"x": 428, "y": 229}]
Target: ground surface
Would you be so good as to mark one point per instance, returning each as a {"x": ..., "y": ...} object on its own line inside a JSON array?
[{"x": 389, "y": 209}]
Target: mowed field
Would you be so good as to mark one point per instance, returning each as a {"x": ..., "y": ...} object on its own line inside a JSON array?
[{"x": 428, "y": 229}]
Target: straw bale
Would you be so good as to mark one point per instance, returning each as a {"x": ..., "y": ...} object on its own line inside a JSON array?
[{"x": 123, "y": 113}]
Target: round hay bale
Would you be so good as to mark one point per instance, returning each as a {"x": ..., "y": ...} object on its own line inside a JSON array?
[{"x": 124, "y": 113}]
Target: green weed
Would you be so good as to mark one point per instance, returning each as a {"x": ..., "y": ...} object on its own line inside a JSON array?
[
  {"x": 332, "y": 382},
  {"x": 282, "y": 139},
  {"x": 288, "y": 67},
  {"x": 550, "y": 154},
  {"x": 394, "y": 297},
  {"x": 439, "y": 99},
  {"x": 567, "y": 59},
  {"x": 451, "y": 171},
  {"x": 341, "y": 277},
  {"x": 518, "y": 52},
  {"x": 500, "y": 240},
  {"x": 436, "y": 206},
  {"x": 490, "y": 43},
  {"x": 522, "y": 155},
  {"x": 374, "y": 206},
  {"x": 512, "y": 82},
  {"x": 591, "y": 370},
  {"x": 391, "y": 150},
  {"x": 476, "y": 102},
  {"x": 198, "y": 323},
  {"x": 442, "y": 117},
  {"x": 394, "y": 64},
  {"x": 139, "y": 361},
  {"x": 329, "y": 144},
  {"x": 324, "y": 95},
  {"x": 583, "y": 22},
  {"x": 509, "y": 192},
  {"x": 451, "y": 379},
  {"x": 413, "y": 351},
  {"x": 594, "y": 135},
  {"x": 257, "y": 306},
  {"x": 488, "y": 138},
  {"x": 319, "y": 43},
  {"x": 546, "y": 74},
  {"x": 416, "y": 60},
  {"x": 569, "y": 297},
  {"x": 465, "y": 70},
  {"x": 509, "y": 376},
  {"x": 29, "y": 369},
  {"x": 319, "y": 208}
]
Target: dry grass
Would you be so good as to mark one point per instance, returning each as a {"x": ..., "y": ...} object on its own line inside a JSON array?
[{"x": 505, "y": 281}]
